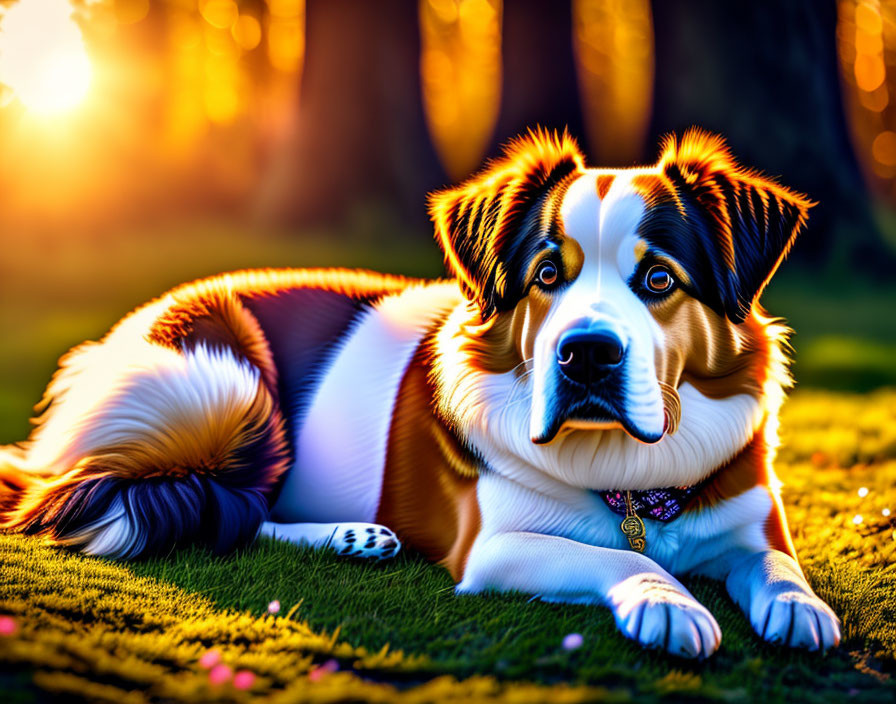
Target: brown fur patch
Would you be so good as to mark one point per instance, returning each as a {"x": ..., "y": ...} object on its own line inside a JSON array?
[
  {"x": 429, "y": 486},
  {"x": 750, "y": 468},
  {"x": 776, "y": 531},
  {"x": 604, "y": 181},
  {"x": 507, "y": 339},
  {"x": 640, "y": 251},
  {"x": 212, "y": 311},
  {"x": 654, "y": 188},
  {"x": 216, "y": 318},
  {"x": 747, "y": 469},
  {"x": 719, "y": 358}
]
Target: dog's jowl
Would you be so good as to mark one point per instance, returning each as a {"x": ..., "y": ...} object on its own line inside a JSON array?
[{"x": 587, "y": 409}]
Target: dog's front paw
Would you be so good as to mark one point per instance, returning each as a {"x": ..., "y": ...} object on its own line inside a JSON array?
[
  {"x": 795, "y": 619},
  {"x": 365, "y": 540},
  {"x": 656, "y": 613}
]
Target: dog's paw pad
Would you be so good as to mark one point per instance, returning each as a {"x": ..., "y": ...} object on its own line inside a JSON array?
[
  {"x": 798, "y": 620},
  {"x": 366, "y": 541}
]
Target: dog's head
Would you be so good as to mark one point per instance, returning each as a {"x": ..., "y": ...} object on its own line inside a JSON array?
[{"x": 611, "y": 286}]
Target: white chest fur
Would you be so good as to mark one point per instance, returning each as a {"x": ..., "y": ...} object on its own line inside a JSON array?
[
  {"x": 341, "y": 442},
  {"x": 681, "y": 545}
]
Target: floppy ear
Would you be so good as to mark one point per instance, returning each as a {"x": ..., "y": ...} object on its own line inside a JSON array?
[
  {"x": 478, "y": 222},
  {"x": 750, "y": 220}
]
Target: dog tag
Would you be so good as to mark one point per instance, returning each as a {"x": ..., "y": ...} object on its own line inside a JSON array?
[{"x": 632, "y": 526}]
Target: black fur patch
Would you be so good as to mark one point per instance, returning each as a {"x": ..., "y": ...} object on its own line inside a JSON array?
[
  {"x": 492, "y": 225},
  {"x": 727, "y": 226}
]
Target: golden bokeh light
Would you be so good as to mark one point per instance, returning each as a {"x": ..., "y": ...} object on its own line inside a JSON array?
[
  {"x": 866, "y": 44},
  {"x": 43, "y": 59},
  {"x": 221, "y": 14},
  {"x": 884, "y": 148},
  {"x": 159, "y": 87},
  {"x": 246, "y": 32},
  {"x": 286, "y": 34},
  {"x": 130, "y": 11},
  {"x": 615, "y": 61},
  {"x": 460, "y": 71}
]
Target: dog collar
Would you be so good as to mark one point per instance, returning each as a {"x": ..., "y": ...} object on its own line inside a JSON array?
[{"x": 658, "y": 504}]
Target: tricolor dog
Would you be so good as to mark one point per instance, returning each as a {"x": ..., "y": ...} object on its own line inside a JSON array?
[{"x": 585, "y": 410}]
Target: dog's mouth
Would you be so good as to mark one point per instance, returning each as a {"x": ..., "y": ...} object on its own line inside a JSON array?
[{"x": 593, "y": 416}]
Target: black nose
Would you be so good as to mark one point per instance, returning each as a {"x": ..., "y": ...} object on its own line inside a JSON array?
[{"x": 587, "y": 356}]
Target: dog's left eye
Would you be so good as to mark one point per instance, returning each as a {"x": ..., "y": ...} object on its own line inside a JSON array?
[
  {"x": 659, "y": 279},
  {"x": 547, "y": 274}
]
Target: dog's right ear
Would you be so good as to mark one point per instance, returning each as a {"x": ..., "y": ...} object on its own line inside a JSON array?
[{"x": 478, "y": 222}]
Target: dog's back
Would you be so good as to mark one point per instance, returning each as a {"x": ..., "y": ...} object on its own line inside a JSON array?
[{"x": 177, "y": 425}]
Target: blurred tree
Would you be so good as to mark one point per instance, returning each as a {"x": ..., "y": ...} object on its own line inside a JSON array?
[
  {"x": 765, "y": 75},
  {"x": 866, "y": 38},
  {"x": 460, "y": 70},
  {"x": 614, "y": 43},
  {"x": 360, "y": 134},
  {"x": 539, "y": 86}
]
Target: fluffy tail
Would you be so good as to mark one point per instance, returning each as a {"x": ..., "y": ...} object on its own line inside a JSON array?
[{"x": 187, "y": 454}]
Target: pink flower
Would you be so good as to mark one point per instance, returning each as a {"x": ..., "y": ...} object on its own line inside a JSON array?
[
  {"x": 274, "y": 607},
  {"x": 243, "y": 679},
  {"x": 573, "y": 641},
  {"x": 210, "y": 659},
  {"x": 8, "y": 625},
  {"x": 219, "y": 674},
  {"x": 321, "y": 670}
]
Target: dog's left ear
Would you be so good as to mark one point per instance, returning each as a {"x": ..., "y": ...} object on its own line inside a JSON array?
[
  {"x": 750, "y": 220},
  {"x": 478, "y": 222}
]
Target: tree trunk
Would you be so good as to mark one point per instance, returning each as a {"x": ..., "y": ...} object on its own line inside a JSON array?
[
  {"x": 360, "y": 135},
  {"x": 766, "y": 76}
]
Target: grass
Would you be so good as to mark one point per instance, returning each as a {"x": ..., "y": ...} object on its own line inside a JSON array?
[
  {"x": 122, "y": 632},
  {"x": 106, "y": 629},
  {"x": 844, "y": 330}
]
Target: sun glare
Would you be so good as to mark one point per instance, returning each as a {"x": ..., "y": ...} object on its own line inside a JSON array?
[{"x": 42, "y": 56}]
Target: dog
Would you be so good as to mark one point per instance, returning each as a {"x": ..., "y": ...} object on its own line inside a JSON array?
[{"x": 586, "y": 409}]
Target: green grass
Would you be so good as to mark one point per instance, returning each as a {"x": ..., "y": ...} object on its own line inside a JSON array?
[
  {"x": 122, "y": 632},
  {"x": 844, "y": 330},
  {"x": 90, "y": 625}
]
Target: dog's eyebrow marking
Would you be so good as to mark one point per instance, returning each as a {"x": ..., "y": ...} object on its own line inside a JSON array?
[
  {"x": 604, "y": 181},
  {"x": 640, "y": 250}
]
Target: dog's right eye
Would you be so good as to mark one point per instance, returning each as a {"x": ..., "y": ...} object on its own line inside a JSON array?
[
  {"x": 547, "y": 274},
  {"x": 659, "y": 279}
]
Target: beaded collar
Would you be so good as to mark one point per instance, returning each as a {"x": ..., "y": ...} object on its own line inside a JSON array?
[{"x": 657, "y": 504}]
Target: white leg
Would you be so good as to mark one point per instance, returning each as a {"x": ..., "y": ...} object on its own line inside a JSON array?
[
  {"x": 367, "y": 540},
  {"x": 650, "y": 606},
  {"x": 770, "y": 589}
]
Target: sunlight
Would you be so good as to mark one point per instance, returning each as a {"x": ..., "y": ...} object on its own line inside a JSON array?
[{"x": 42, "y": 56}]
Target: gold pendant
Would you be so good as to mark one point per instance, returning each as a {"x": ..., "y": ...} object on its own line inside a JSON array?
[{"x": 632, "y": 526}]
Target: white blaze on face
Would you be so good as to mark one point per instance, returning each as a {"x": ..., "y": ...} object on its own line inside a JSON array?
[{"x": 600, "y": 297}]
